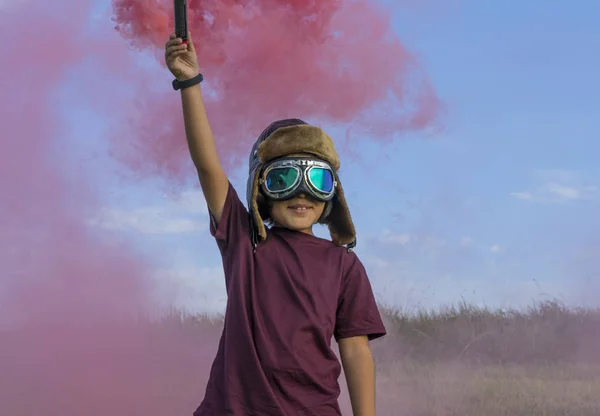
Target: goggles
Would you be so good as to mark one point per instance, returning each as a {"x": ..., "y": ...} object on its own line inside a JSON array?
[{"x": 286, "y": 178}]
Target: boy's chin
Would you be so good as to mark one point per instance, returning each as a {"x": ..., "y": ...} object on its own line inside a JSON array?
[{"x": 297, "y": 224}]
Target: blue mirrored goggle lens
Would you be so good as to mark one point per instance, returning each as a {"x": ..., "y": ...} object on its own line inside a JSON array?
[
  {"x": 280, "y": 179},
  {"x": 322, "y": 179}
]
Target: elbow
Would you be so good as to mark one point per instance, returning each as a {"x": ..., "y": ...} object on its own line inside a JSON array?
[{"x": 355, "y": 347}]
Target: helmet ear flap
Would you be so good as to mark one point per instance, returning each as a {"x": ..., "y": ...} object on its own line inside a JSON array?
[{"x": 326, "y": 212}]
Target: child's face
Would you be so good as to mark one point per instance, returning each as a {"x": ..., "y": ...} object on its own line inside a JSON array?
[{"x": 299, "y": 213}]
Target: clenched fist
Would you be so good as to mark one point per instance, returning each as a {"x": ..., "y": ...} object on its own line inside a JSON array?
[{"x": 180, "y": 58}]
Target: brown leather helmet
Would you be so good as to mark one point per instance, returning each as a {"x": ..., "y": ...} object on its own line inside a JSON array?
[{"x": 287, "y": 137}]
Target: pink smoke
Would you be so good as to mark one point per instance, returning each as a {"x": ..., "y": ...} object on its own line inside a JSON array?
[
  {"x": 328, "y": 61},
  {"x": 68, "y": 293}
]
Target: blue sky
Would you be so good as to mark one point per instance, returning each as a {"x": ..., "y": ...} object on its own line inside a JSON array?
[{"x": 497, "y": 209}]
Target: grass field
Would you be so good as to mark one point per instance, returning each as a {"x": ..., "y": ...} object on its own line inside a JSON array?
[
  {"x": 473, "y": 361},
  {"x": 459, "y": 361}
]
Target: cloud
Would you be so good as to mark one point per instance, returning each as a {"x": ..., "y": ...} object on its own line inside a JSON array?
[
  {"x": 173, "y": 216},
  {"x": 466, "y": 241},
  {"x": 191, "y": 201},
  {"x": 527, "y": 196},
  {"x": 497, "y": 249},
  {"x": 194, "y": 288},
  {"x": 424, "y": 242},
  {"x": 390, "y": 237},
  {"x": 556, "y": 186},
  {"x": 151, "y": 220}
]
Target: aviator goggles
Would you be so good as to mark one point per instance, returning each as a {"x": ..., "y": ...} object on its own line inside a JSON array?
[{"x": 286, "y": 178}]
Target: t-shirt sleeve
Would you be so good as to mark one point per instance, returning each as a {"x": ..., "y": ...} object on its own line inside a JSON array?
[
  {"x": 357, "y": 312},
  {"x": 234, "y": 225}
]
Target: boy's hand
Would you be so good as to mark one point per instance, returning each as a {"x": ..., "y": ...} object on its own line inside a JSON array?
[{"x": 180, "y": 58}]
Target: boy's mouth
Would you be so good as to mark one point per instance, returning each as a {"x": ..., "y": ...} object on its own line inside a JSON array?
[{"x": 299, "y": 207}]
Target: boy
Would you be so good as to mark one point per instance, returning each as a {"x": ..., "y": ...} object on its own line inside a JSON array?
[{"x": 289, "y": 292}]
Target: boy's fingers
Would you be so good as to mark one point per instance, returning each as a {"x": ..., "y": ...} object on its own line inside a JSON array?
[
  {"x": 172, "y": 36},
  {"x": 176, "y": 54},
  {"x": 191, "y": 42},
  {"x": 173, "y": 41},
  {"x": 174, "y": 44},
  {"x": 171, "y": 49}
]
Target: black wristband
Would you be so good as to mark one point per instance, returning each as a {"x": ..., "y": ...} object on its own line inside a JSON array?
[{"x": 178, "y": 85}]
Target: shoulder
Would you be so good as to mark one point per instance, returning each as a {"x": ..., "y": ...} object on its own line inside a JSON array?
[
  {"x": 348, "y": 256},
  {"x": 353, "y": 266},
  {"x": 233, "y": 226},
  {"x": 348, "y": 261}
]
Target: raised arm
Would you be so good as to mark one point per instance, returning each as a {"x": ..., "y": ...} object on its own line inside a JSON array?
[{"x": 182, "y": 61}]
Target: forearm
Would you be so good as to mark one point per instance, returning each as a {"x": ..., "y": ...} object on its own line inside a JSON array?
[
  {"x": 182, "y": 61},
  {"x": 203, "y": 150},
  {"x": 359, "y": 370},
  {"x": 201, "y": 142}
]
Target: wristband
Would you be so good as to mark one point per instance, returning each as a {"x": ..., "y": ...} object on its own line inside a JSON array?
[{"x": 179, "y": 85}]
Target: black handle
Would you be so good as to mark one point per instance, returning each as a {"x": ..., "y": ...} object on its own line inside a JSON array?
[{"x": 181, "y": 27}]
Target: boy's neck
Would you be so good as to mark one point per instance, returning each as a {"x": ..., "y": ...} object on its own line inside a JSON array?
[{"x": 308, "y": 231}]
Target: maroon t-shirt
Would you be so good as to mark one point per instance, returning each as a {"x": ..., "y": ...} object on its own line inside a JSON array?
[{"x": 285, "y": 303}]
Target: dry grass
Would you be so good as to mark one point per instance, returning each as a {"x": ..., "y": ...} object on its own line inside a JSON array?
[
  {"x": 445, "y": 389},
  {"x": 459, "y": 361},
  {"x": 472, "y": 361},
  {"x": 547, "y": 332}
]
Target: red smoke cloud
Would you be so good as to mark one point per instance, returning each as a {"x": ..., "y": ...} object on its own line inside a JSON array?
[
  {"x": 53, "y": 264},
  {"x": 331, "y": 61},
  {"x": 67, "y": 293}
]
